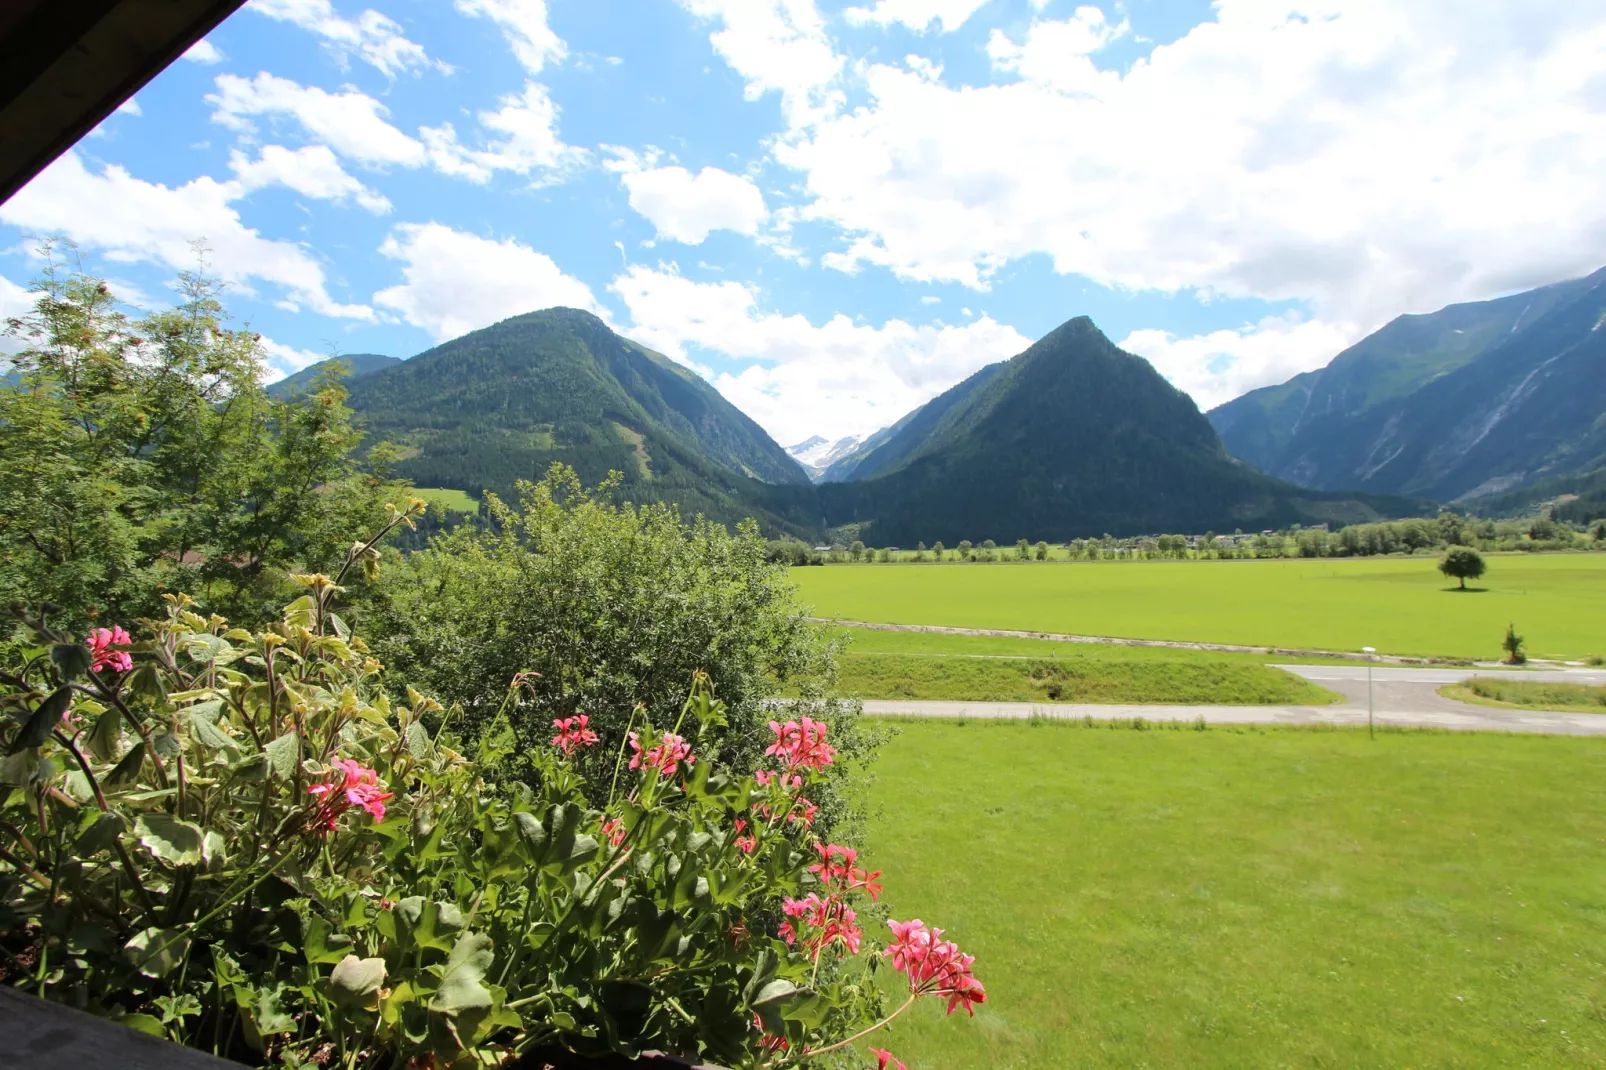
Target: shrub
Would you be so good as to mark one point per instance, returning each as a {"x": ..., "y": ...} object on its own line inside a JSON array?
[
  {"x": 605, "y": 608},
  {"x": 1512, "y": 645},
  {"x": 236, "y": 840}
]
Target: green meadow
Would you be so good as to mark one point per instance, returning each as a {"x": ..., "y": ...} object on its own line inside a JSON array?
[
  {"x": 453, "y": 501},
  {"x": 1399, "y": 605},
  {"x": 1251, "y": 898}
]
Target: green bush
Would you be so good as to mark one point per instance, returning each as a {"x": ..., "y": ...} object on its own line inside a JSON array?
[
  {"x": 611, "y": 607},
  {"x": 238, "y": 841}
]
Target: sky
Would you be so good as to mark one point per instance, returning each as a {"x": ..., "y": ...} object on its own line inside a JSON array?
[{"x": 833, "y": 210}]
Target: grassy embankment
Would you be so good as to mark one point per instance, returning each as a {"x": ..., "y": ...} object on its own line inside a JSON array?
[
  {"x": 1399, "y": 605},
  {"x": 910, "y": 665},
  {"x": 1529, "y": 695},
  {"x": 1252, "y": 898}
]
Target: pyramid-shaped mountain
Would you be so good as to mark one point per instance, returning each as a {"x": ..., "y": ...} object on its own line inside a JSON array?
[
  {"x": 1071, "y": 438},
  {"x": 503, "y": 403}
]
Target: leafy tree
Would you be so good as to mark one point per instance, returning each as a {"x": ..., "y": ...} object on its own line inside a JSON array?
[
  {"x": 1512, "y": 645},
  {"x": 1600, "y": 531},
  {"x": 988, "y": 544},
  {"x": 1042, "y": 551},
  {"x": 1023, "y": 550},
  {"x": 939, "y": 549},
  {"x": 138, "y": 455},
  {"x": 1462, "y": 563},
  {"x": 965, "y": 548},
  {"x": 856, "y": 550}
]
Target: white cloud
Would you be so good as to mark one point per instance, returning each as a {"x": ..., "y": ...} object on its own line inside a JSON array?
[
  {"x": 15, "y": 301},
  {"x": 311, "y": 171},
  {"x": 524, "y": 24},
  {"x": 1219, "y": 366},
  {"x": 131, "y": 220},
  {"x": 836, "y": 379},
  {"x": 350, "y": 122},
  {"x": 1056, "y": 54},
  {"x": 778, "y": 46},
  {"x": 918, "y": 15},
  {"x": 931, "y": 299},
  {"x": 524, "y": 128},
  {"x": 205, "y": 53},
  {"x": 685, "y": 207},
  {"x": 282, "y": 360},
  {"x": 374, "y": 38},
  {"x": 1363, "y": 156},
  {"x": 457, "y": 282},
  {"x": 130, "y": 107}
]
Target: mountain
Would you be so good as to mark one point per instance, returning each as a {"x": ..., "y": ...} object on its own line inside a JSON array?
[
  {"x": 816, "y": 454},
  {"x": 1474, "y": 399},
  {"x": 503, "y": 403},
  {"x": 1072, "y": 437},
  {"x": 361, "y": 364}
]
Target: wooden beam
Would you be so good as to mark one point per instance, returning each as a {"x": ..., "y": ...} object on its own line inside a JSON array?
[{"x": 65, "y": 65}]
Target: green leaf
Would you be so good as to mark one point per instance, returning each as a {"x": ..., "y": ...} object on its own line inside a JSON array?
[
  {"x": 209, "y": 734},
  {"x": 462, "y": 986},
  {"x": 143, "y": 1023},
  {"x": 534, "y": 835},
  {"x": 99, "y": 832},
  {"x": 147, "y": 684},
  {"x": 168, "y": 745},
  {"x": 157, "y": 952},
  {"x": 104, "y": 736},
  {"x": 180, "y": 843},
  {"x": 284, "y": 754},
  {"x": 43, "y": 719},
  {"x": 417, "y": 741},
  {"x": 209, "y": 648},
  {"x": 355, "y": 982},
  {"x": 321, "y": 944},
  {"x": 72, "y": 659},
  {"x": 127, "y": 770}
]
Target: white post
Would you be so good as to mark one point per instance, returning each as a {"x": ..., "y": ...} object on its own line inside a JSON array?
[{"x": 1371, "y": 723}]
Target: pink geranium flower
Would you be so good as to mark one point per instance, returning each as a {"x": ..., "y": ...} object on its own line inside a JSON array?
[
  {"x": 885, "y": 1058},
  {"x": 615, "y": 831},
  {"x": 357, "y": 786},
  {"x": 573, "y": 733},
  {"x": 746, "y": 844},
  {"x": 836, "y": 870},
  {"x": 818, "y": 922},
  {"x": 108, "y": 649},
  {"x": 801, "y": 745},
  {"x": 671, "y": 751},
  {"x": 933, "y": 965}
]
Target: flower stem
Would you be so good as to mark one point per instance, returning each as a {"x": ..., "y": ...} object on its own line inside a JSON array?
[{"x": 866, "y": 1032}]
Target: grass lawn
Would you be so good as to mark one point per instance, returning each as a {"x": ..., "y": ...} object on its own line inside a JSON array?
[
  {"x": 1088, "y": 678},
  {"x": 1251, "y": 898},
  {"x": 1529, "y": 695},
  {"x": 1399, "y": 605},
  {"x": 453, "y": 501}
]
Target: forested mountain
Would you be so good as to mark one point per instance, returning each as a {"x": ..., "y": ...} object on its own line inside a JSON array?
[
  {"x": 360, "y": 364},
  {"x": 1073, "y": 437},
  {"x": 1472, "y": 400},
  {"x": 501, "y": 404}
]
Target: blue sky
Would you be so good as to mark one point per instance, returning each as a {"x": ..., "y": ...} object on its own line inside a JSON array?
[{"x": 835, "y": 209}]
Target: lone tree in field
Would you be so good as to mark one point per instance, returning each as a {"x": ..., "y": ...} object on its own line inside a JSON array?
[{"x": 1462, "y": 563}]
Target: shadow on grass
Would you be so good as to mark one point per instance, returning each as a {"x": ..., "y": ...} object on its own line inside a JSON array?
[{"x": 1466, "y": 590}]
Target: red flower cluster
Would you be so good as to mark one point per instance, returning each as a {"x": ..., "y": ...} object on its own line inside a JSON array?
[
  {"x": 615, "y": 831},
  {"x": 828, "y": 920},
  {"x": 935, "y": 966},
  {"x": 666, "y": 757},
  {"x": 885, "y": 1058},
  {"x": 104, "y": 649},
  {"x": 838, "y": 873},
  {"x": 573, "y": 732},
  {"x": 748, "y": 843},
  {"x": 801, "y": 745},
  {"x": 358, "y": 786},
  {"x": 765, "y": 778},
  {"x": 770, "y": 1043}
]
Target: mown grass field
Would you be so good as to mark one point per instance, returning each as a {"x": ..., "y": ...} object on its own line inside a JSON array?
[
  {"x": 1252, "y": 898},
  {"x": 1399, "y": 605}
]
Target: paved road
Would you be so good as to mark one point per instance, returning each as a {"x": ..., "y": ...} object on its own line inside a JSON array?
[{"x": 1404, "y": 697}]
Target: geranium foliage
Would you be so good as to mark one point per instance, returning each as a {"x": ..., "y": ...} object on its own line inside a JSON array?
[{"x": 237, "y": 840}]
